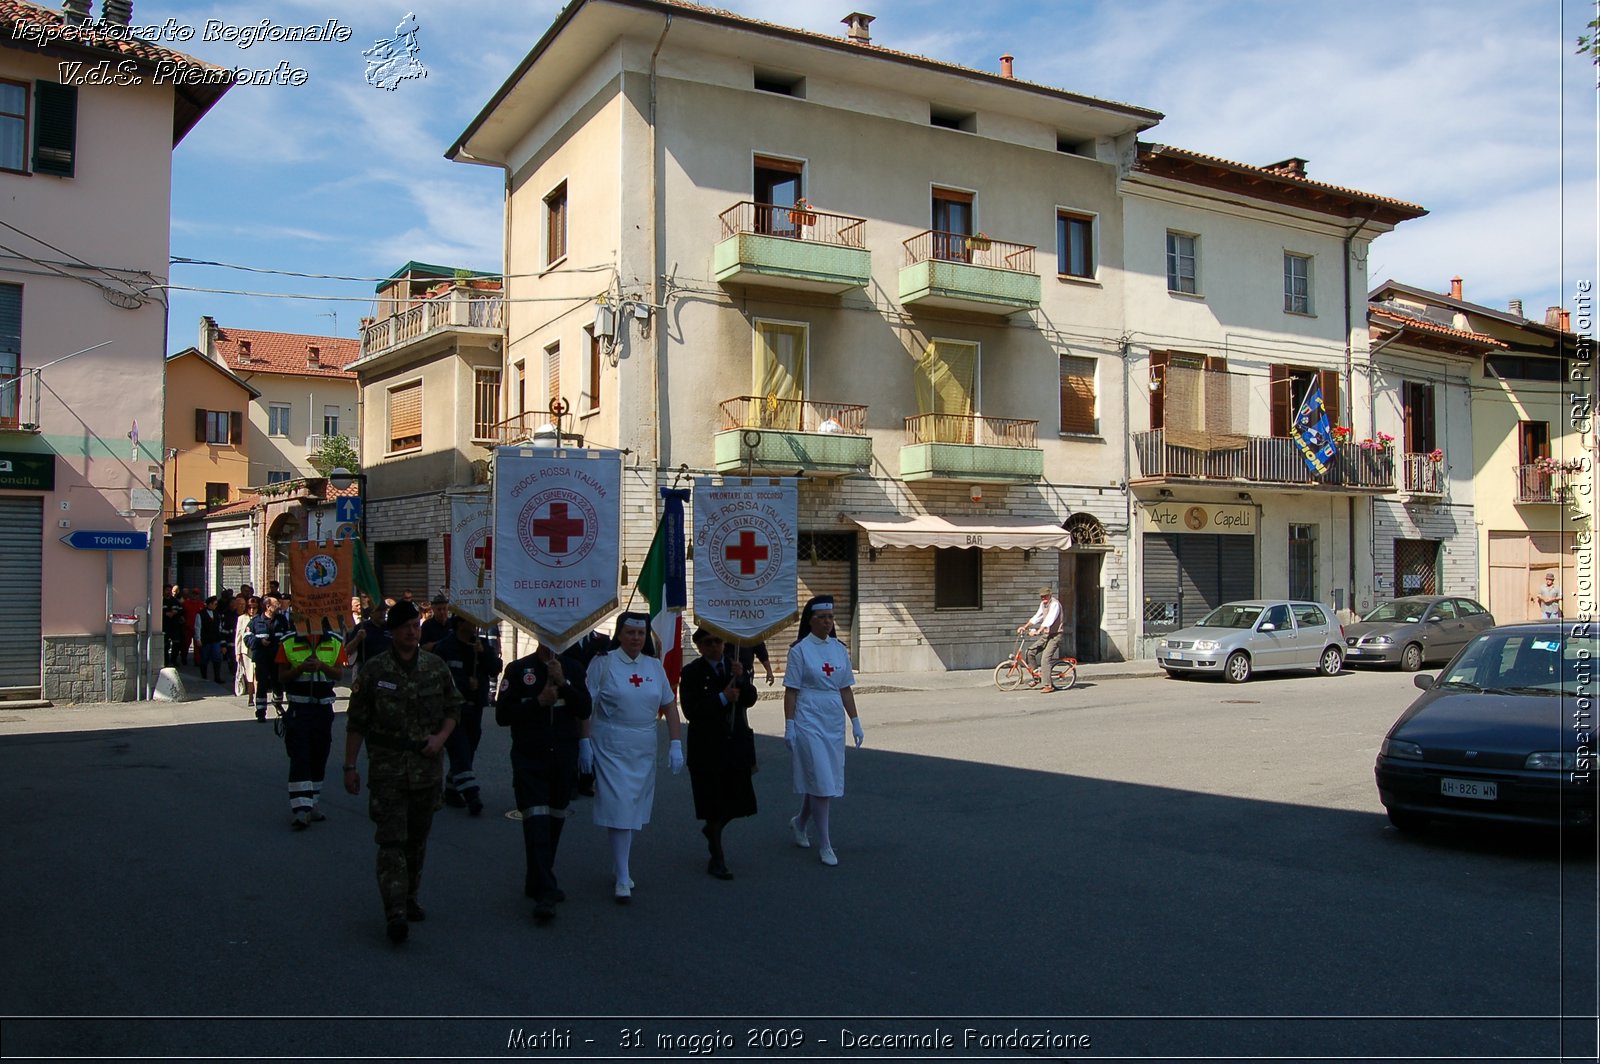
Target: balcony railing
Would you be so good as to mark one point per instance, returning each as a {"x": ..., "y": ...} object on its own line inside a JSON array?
[
  {"x": 1262, "y": 460},
  {"x": 973, "y": 430},
  {"x": 793, "y": 415},
  {"x": 1539, "y": 484},
  {"x": 972, "y": 250},
  {"x": 794, "y": 223},
  {"x": 456, "y": 308},
  {"x": 520, "y": 428},
  {"x": 317, "y": 441},
  {"x": 1422, "y": 475},
  {"x": 19, "y": 400}
]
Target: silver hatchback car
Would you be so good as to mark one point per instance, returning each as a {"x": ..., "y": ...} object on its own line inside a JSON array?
[{"x": 1238, "y": 639}]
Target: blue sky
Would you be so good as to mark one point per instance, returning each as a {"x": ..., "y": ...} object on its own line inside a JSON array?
[{"x": 1477, "y": 110}]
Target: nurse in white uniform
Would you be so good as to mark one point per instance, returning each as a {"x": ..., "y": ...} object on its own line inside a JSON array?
[
  {"x": 817, "y": 695},
  {"x": 629, "y": 687}
]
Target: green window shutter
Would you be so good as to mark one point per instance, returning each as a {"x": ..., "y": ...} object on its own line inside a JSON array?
[{"x": 55, "y": 128}]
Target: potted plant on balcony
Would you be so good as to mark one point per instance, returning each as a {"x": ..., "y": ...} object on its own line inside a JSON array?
[
  {"x": 801, "y": 213},
  {"x": 978, "y": 241}
]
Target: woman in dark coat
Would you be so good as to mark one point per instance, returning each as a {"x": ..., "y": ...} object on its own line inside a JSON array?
[{"x": 715, "y": 692}]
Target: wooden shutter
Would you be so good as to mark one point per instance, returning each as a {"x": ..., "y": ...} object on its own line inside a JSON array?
[
  {"x": 1159, "y": 361},
  {"x": 1330, "y": 395},
  {"x": 405, "y": 417},
  {"x": 236, "y": 427},
  {"x": 199, "y": 425},
  {"x": 55, "y": 129},
  {"x": 1280, "y": 388},
  {"x": 1077, "y": 395}
]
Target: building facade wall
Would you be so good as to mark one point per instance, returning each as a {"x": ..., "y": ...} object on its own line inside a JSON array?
[
  {"x": 192, "y": 386},
  {"x": 305, "y": 397}
]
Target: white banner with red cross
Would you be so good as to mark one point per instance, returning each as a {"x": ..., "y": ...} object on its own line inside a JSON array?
[
  {"x": 557, "y": 539},
  {"x": 469, "y": 557},
  {"x": 745, "y": 577}
]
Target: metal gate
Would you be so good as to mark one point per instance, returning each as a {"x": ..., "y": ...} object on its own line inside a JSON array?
[
  {"x": 1416, "y": 567},
  {"x": 233, "y": 568},
  {"x": 21, "y": 575},
  {"x": 1186, "y": 576}
]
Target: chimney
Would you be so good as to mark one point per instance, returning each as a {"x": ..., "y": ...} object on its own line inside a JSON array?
[
  {"x": 313, "y": 356},
  {"x": 1552, "y": 317},
  {"x": 1515, "y": 307},
  {"x": 1566, "y": 320},
  {"x": 1291, "y": 167},
  {"x": 1455, "y": 288},
  {"x": 860, "y": 24},
  {"x": 244, "y": 350},
  {"x": 1006, "y": 70},
  {"x": 116, "y": 12},
  {"x": 75, "y": 12},
  {"x": 208, "y": 336}
]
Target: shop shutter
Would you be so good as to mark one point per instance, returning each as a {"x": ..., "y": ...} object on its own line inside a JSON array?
[{"x": 21, "y": 574}]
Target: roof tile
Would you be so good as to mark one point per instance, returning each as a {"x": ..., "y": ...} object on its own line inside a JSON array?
[{"x": 286, "y": 353}]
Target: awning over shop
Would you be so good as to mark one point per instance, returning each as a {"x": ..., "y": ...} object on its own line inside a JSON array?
[{"x": 989, "y": 533}]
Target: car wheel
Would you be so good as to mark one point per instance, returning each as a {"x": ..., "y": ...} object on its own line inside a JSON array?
[
  {"x": 1407, "y": 822},
  {"x": 1331, "y": 662},
  {"x": 1008, "y": 675},
  {"x": 1411, "y": 658},
  {"x": 1237, "y": 669}
]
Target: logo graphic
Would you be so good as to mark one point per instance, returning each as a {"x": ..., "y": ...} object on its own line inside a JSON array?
[
  {"x": 1195, "y": 518},
  {"x": 558, "y": 527},
  {"x": 746, "y": 551},
  {"x": 395, "y": 60},
  {"x": 321, "y": 570},
  {"x": 477, "y": 552}
]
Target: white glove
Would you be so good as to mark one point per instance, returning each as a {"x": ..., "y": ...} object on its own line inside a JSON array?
[
  {"x": 855, "y": 729},
  {"x": 788, "y": 734},
  {"x": 675, "y": 756},
  {"x": 585, "y": 756}
]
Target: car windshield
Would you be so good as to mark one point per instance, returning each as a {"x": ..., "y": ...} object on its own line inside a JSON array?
[
  {"x": 1231, "y": 616},
  {"x": 1400, "y": 611},
  {"x": 1521, "y": 662}
]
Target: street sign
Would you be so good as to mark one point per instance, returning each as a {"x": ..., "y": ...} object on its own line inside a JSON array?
[
  {"x": 347, "y": 510},
  {"x": 84, "y": 539},
  {"x": 344, "y": 532}
]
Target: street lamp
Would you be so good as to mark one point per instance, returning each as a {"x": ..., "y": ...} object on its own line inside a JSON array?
[
  {"x": 341, "y": 478},
  {"x": 190, "y": 505}
]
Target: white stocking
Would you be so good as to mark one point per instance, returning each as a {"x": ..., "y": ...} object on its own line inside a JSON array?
[
  {"x": 819, "y": 813},
  {"x": 621, "y": 843}
]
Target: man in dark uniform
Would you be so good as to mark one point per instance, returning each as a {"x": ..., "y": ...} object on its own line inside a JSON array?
[
  {"x": 309, "y": 666},
  {"x": 404, "y": 706},
  {"x": 542, "y": 698},
  {"x": 436, "y": 625},
  {"x": 472, "y": 664},
  {"x": 268, "y": 629}
]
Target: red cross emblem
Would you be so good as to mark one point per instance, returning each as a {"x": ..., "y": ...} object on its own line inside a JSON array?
[
  {"x": 559, "y": 528},
  {"x": 746, "y": 552},
  {"x": 827, "y": 668},
  {"x": 484, "y": 554},
  {"x": 636, "y": 679}
]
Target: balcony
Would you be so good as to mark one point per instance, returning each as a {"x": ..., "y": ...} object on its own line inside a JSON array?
[
  {"x": 19, "y": 400},
  {"x": 459, "y": 309},
  {"x": 523, "y": 428},
  {"x": 982, "y": 450},
  {"x": 796, "y": 248},
  {"x": 1267, "y": 461},
  {"x": 1540, "y": 483},
  {"x": 1421, "y": 475},
  {"x": 788, "y": 435},
  {"x": 971, "y": 273},
  {"x": 316, "y": 442}
]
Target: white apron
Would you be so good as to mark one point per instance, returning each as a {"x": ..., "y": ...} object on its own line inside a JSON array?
[
  {"x": 818, "y": 669},
  {"x": 627, "y": 695}
]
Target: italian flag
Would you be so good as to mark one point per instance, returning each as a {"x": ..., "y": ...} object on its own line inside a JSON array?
[{"x": 667, "y": 624}]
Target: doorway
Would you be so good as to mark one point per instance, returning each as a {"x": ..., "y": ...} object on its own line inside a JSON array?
[{"x": 1416, "y": 567}]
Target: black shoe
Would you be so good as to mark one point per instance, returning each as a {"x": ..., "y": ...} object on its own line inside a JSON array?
[
  {"x": 414, "y": 912},
  {"x": 261, "y": 714},
  {"x": 718, "y": 869},
  {"x": 544, "y": 909},
  {"x": 557, "y": 895},
  {"x": 454, "y": 800},
  {"x": 474, "y": 806},
  {"x": 398, "y": 929}
]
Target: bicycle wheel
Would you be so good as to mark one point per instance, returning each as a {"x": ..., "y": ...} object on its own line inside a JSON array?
[
  {"x": 1008, "y": 675},
  {"x": 1063, "y": 674}
]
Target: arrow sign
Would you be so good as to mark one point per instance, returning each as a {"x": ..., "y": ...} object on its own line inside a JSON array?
[
  {"x": 347, "y": 510},
  {"x": 84, "y": 539}
]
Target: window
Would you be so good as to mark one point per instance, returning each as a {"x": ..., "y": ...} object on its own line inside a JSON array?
[
  {"x": 330, "y": 420},
  {"x": 957, "y": 578},
  {"x": 779, "y": 373},
  {"x": 1303, "y": 563},
  {"x": 10, "y": 354},
  {"x": 1296, "y": 283},
  {"x": 591, "y": 382},
  {"x": 1533, "y": 441},
  {"x": 520, "y": 367},
  {"x": 405, "y": 417},
  {"x": 1074, "y": 244},
  {"x": 776, "y": 186},
  {"x": 966, "y": 121},
  {"x": 1468, "y": 608},
  {"x": 1194, "y": 396},
  {"x": 555, "y": 225},
  {"x": 1516, "y": 367},
  {"x": 1417, "y": 402},
  {"x": 1077, "y": 396},
  {"x": 1288, "y": 385},
  {"x": 485, "y": 403},
  {"x": 946, "y": 385},
  {"x": 1277, "y": 616},
  {"x": 55, "y": 130},
  {"x": 952, "y": 223},
  {"x": 780, "y": 84},
  {"x": 278, "y": 415},
  {"x": 552, "y": 375},
  {"x": 1445, "y": 610},
  {"x": 218, "y": 426},
  {"x": 1182, "y": 253},
  {"x": 1308, "y": 616},
  {"x": 216, "y": 494},
  {"x": 13, "y": 126},
  {"x": 278, "y": 476}
]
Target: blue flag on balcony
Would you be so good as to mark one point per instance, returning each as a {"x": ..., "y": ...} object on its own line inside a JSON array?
[{"x": 1313, "y": 431}]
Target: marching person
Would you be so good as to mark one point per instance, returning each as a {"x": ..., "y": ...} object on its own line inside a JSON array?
[
  {"x": 436, "y": 625},
  {"x": 268, "y": 629},
  {"x": 308, "y": 665},
  {"x": 472, "y": 664},
  {"x": 244, "y": 679},
  {"x": 1045, "y": 625},
  {"x": 817, "y": 683},
  {"x": 208, "y": 640},
  {"x": 716, "y": 692},
  {"x": 542, "y": 699},
  {"x": 403, "y": 706},
  {"x": 628, "y": 687},
  {"x": 748, "y": 656}
]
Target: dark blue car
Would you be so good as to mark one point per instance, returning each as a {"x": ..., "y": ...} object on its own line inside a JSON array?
[{"x": 1505, "y": 734}]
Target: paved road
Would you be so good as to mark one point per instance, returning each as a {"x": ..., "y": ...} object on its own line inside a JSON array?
[{"x": 1166, "y": 868}]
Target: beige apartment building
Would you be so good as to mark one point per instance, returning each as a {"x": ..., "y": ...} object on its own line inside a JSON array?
[{"x": 207, "y": 460}]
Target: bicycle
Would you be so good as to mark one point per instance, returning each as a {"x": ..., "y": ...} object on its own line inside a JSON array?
[{"x": 1015, "y": 671}]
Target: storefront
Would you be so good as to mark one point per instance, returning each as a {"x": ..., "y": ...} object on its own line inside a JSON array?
[{"x": 1196, "y": 556}]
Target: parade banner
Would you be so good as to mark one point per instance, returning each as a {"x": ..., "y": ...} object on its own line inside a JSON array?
[
  {"x": 321, "y": 581},
  {"x": 745, "y": 577},
  {"x": 557, "y": 541},
  {"x": 664, "y": 581},
  {"x": 469, "y": 561}
]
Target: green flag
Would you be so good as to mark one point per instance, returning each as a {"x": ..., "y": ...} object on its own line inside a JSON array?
[{"x": 365, "y": 578}]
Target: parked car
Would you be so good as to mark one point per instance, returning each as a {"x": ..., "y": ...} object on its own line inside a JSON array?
[
  {"x": 1238, "y": 639},
  {"x": 1493, "y": 738},
  {"x": 1409, "y": 631}
]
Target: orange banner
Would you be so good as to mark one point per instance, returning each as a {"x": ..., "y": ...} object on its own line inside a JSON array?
[{"x": 321, "y": 581}]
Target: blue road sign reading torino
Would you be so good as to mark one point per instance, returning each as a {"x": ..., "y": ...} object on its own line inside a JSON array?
[{"x": 84, "y": 539}]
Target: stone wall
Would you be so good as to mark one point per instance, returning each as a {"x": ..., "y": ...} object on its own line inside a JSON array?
[{"x": 74, "y": 668}]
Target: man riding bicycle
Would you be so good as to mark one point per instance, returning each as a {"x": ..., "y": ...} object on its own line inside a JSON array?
[{"x": 1045, "y": 625}]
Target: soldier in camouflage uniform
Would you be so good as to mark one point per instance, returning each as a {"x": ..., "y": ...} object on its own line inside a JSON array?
[{"x": 404, "y": 706}]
